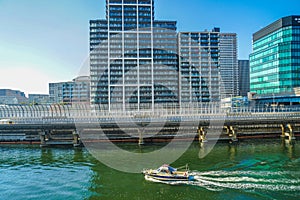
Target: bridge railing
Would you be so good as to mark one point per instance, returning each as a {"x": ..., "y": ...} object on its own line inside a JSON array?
[{"x": 67, "y": 113}]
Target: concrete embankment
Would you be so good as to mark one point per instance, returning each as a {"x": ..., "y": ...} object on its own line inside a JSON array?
[{"x": 48, "y": 136}]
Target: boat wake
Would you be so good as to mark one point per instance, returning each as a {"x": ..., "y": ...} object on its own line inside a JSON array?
[{"x": 245, "y": 180}]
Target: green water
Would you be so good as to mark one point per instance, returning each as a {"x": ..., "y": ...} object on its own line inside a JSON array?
[{"x": 248, "y": 170}]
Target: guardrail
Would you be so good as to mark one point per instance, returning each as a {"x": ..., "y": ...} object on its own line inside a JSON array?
[{"x": 87, "y": 113}]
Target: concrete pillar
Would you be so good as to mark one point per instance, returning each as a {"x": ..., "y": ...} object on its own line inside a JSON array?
[
  {"x": 141, "y": 139},
  {"x": 43, "y": 138},
  {"x": 227, "y": 130},
  {"x": 282, "y": 130},
  {"x": 291, "y": 135},
  {"x": 232, "y": 133},
  {"x": 287, "y": 132},
  {"x": 202, "y": 134},
  {"x": 76, "y": 139}
]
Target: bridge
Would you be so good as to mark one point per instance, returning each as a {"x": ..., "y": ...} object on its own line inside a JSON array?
[{"x": 67, "y": 124}]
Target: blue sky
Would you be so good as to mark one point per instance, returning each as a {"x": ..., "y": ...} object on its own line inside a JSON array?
[{"x": 44, "y": 41}]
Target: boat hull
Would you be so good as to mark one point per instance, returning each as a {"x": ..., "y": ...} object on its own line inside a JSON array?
[{"x": 169, "y": 178}]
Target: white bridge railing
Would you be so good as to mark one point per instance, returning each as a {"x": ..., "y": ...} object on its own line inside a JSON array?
[{"x": 84, "y": 111}]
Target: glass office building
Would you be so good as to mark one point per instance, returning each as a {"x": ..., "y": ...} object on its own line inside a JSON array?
[
  {"x": 133, "y": 58},
  {"x": 275, "y": 61},
  {"x": 199, "y": 66}
]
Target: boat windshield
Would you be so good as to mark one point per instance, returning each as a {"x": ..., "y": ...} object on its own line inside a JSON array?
[
  {"x": 171, "y": 169},
  {"x": 167, "y": 168}
]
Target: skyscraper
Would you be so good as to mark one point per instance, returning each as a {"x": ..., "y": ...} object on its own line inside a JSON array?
[
  {"x": 274, "y": 63},
  {"x": 244, "y": 77},
  {"x": 229, "y": 64},
  {"x": 133, "y": 58},
  {"x": 137, "y": 62},
  {"x": 199, "y": 66}
]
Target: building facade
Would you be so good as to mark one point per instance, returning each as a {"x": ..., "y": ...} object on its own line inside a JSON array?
[
  {"x": 5, "y": 100},
  {"x": 75, "y": 91},
  {"x": 199, "y": 61},
  {"x": 80, "y": 90},
  {"x": 244, "y": 77},
  {"x": 274, "y": 63},
  {"x": 138, "y": 62},
  {"x": 229, "y": 65},
  {"x": 38, "y": 99},
  {"x": 133, "y": 57},
  {"x": 56, "y": 92},
  {"x": 13, "y": 95}
]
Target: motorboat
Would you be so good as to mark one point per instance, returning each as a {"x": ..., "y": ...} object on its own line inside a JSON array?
[{"x": 168, "y": 173}]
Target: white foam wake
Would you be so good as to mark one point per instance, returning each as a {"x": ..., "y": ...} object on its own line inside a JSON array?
[{"x": 246, "y": 180}]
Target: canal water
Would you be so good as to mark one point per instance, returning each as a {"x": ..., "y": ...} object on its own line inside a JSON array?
[{"x": 267, "y": 169}]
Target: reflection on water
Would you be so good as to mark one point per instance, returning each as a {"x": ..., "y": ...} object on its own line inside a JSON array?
[
  {"x": 248, "y": 170},
  {"x": 289, "y": 148}
]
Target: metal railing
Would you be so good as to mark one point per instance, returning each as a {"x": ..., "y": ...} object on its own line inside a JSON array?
[{"x": 69, "y": 113}]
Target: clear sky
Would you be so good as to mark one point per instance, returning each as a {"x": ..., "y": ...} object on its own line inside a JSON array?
[{"x": 44, "y": 41}]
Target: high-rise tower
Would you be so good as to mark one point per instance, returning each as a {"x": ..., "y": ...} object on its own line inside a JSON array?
[
  {"x": 199, "y": 66},
  {"x": 133, "y": 58},
  {"x": 244, "y": 77},
  {"x": 229, "y": 64}
]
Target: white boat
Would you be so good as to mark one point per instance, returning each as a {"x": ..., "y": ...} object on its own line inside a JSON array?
[{"x": 168, "y": 173}]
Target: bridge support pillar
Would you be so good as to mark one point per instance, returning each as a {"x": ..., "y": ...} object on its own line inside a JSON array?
[
  {"x": 141, "y": 139},
  {"x": 76, "y": 139},
  {"x": 287, "y": 132},
  {"x": 232, "y": 133},
  {"x": 202, "y": 134},
  {"x": 44, "y": 137}
]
